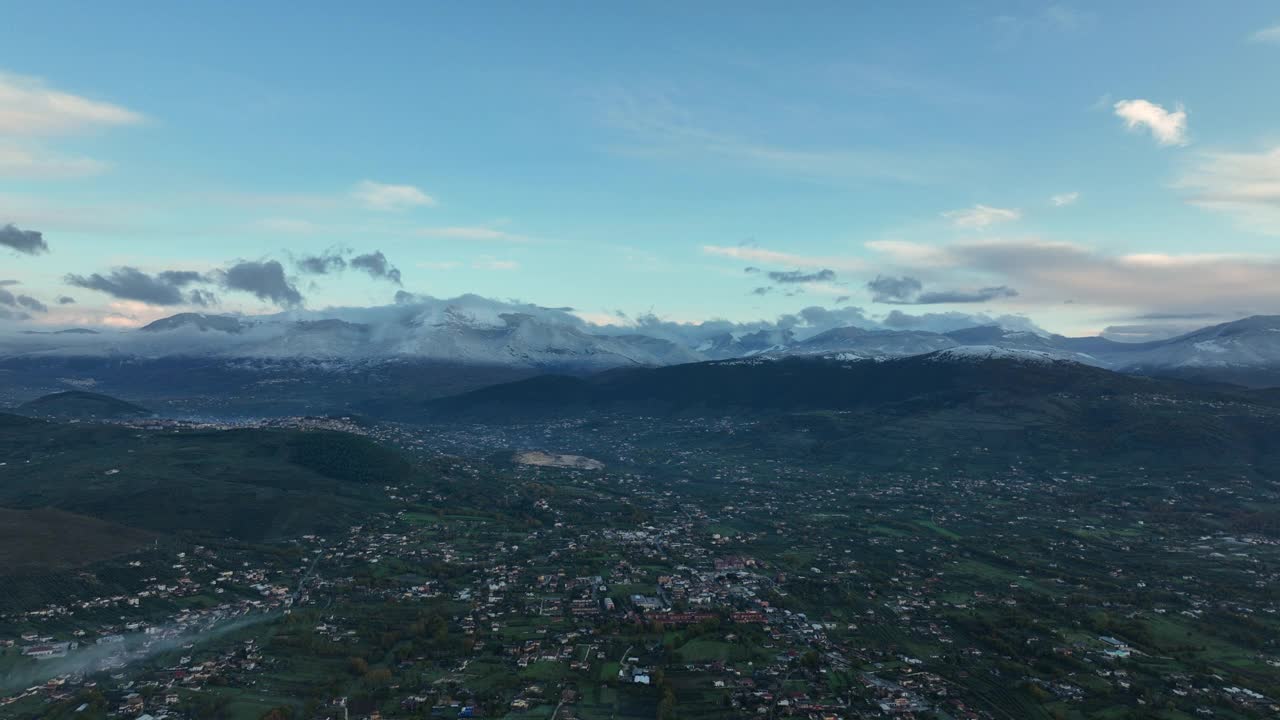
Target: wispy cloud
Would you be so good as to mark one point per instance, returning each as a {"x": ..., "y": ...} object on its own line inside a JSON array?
[
  {"x": 492, "y": 263},
  {"x": 773, "y": 257},
  {"x": 1051, "y": 272},
  {"x": 29, "y": 107},
  {"x": 656, "y": 126},
  {"x": 1167, "y": 127},
  {"x": 1245, "y": 186},
  {"x": 35, "y": 162},
  {"x": 383, "y": 196},
  {"x": 980, "y": 216},
  {"x": 477, "y": 233},
  {"x": 1065, "y": 199},
  {"x": 1267, "y": 35}
]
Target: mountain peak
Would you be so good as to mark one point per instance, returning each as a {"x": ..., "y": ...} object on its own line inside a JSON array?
[{"x": 199, "y": 321}]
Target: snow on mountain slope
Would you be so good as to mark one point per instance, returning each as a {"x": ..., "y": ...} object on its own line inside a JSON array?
[{"x": 474, "y": 330}]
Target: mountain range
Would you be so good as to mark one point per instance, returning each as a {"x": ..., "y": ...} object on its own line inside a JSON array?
[{"x": 436, "y": 348}]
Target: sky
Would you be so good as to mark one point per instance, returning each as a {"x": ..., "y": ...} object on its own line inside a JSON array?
[{"x": 1094, "y": 167}]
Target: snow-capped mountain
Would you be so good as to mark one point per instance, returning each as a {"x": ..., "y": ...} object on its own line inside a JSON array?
[{"x": 475, "y": 331}]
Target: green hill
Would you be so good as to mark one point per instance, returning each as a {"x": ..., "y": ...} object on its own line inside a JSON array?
[{"x": 246, "y": 484}]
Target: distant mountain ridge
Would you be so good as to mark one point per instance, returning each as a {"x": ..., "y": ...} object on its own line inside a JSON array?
[{"x": 472, "y": 331}]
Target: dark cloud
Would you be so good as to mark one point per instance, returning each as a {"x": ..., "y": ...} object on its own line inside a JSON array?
[
  {"x": 376, "y": 264},
  {"x": 891, "y": 289},
  {"x": 404, "y": 297},
  {"x": 798, "y": 276},
  {"x": 19, "y": 304},
  {"x": 180, "y": 278},
  {"x": 907, "y": 290},
  {"x": 66, "y": 300},
  {"x": 32, "y": 304},
  {"x": 322, "y": 264},
  {"x": 965, "y": 296},
  {"x": 264, "y": 279},
  {"x": 129, "y": 283},
  {"x": 7, "y": 283},
  {"x": 762, "y": 291},
  {"x": 750, "y": 270},
  {"x": 842, "y": 299},
  {"x": 203, "y": 298},
  {"x": 28, "y": 242}
]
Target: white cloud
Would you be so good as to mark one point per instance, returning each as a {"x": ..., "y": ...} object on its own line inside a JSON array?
[
  {"x": 1168, "y": 128},
  {"x": 773, "y": 257},
  {"x": 980, "y": 216},
  {"x": 381, "y": 196},
  {"x": 1065, "y": 199},
  {"x": 1268, "y": 35},
  {"x": 37, "y": 164},
  {"x": 1049, "y": 272},
  {"x": 29, "y": 107},
  {"x": 1245, "y": 186},
  {"x": 477, "y": 233}
]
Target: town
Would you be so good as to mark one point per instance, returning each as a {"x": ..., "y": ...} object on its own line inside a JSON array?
[{"x": 660, "y": 580}]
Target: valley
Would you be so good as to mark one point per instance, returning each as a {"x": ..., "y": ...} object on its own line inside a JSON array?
[{"x": 957, "y": 536}]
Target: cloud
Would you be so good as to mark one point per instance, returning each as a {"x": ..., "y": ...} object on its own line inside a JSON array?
[
  {"x": 475, "y": 233},
  {"x": 490, "y": 263},
  {"x": 1168, "y": 128},
  {"x": 1065, "y": 199},
  {"x": 750, "y": 270},
  {"x": 1245, "y": 186},
  {"x": 797, "y": 276},
  {"x": 980, "y": 216},
  {"x": 32, "y": 304},
  {"x": 37, "y": 163},
  {"x": 7, "y": 283},
  {"x": 129, "y": 283},
  {"x": 375, "y": 263},
  {"x": 8, "y": 298},
  {"x": 1049, "y": 272},
  {"x": 66, "y": 300},
  {"x": 1267, "y": 35},
  {"x": 203, "y": 298},
  {"x": 655, "y": 126},
  {"x": 765, "y": 290},
  {"x": 948, "y": 321},
  {"x": 381, "y": 196},
  {"x": 892, "y": 289},
  {"x": 322, "y": 264},
  {"x": 908, "y": 290},
  {"x": 1146, "y": 332},
  {"x": 264, "y": 279},
  {"x": 772, "y": 257},
  {"x": 27, "y": 242},
  {"x": 29, "y": 107}
]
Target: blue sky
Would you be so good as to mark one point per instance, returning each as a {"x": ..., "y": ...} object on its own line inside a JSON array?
[{"x": 1088, "y": 165}]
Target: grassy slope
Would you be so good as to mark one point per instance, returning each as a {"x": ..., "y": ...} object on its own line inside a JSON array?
[{"x": 248, "y": 484}]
